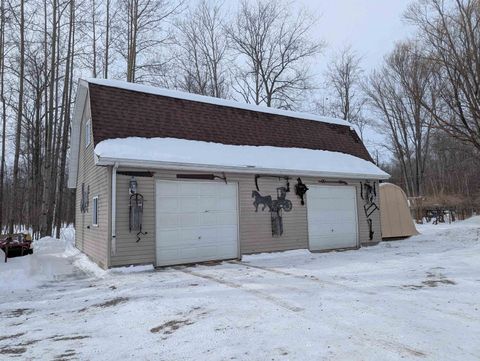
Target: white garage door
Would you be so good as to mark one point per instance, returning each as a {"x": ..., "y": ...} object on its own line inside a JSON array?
[
  {"x": 195, "y": 222},
  {"x": 332, "y": 217}
]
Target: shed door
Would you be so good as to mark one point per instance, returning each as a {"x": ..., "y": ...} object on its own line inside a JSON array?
[
  {"x": 332, "y": 217},
  {"x": 195, "y": 222}
]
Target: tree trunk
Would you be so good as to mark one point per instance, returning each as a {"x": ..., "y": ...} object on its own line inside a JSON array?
[
  {"x": 67, "y": 92},
  {"x": 4, "y": 106},
  {"x": 13, "y": 204}
]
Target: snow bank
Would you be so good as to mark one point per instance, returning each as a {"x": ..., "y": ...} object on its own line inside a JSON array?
[
  {"x": 132, "y": 269},
  {"x": 52, "y": 259},
  {"x": 184, "y": 152}
]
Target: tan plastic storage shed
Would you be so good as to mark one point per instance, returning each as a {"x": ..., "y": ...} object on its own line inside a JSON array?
[{"x": 395, "y": 214}]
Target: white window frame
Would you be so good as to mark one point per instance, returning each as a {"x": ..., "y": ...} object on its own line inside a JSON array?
[
  {"x": 88, "y": 132},
  {"x": 95, "y": 211}
]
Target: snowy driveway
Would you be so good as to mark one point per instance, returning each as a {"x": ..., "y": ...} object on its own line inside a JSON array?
[{"x": 410, "y": 299}]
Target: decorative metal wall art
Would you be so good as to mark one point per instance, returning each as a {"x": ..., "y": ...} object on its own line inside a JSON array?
[
  {"x": 281, "y": 203},
  {"x": 85, "y": 198},
  {"x": 300, "y": 190},
  {"x": 275, "y": 206},
  {"x": 135, "y": 209},
  {"x": 257, "y": 176},
  {"x": 368, "y": 193},
  {"x": 266, "y": 201},
  {"x": 277, "y": 223}
]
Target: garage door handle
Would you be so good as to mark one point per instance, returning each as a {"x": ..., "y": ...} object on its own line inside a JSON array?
[
  {"x": 332, "y": 230},
  {"x": 199, "y": 237}
]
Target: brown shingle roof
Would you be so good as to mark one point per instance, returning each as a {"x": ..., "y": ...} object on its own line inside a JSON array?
[{"x": 121, "y": 113}]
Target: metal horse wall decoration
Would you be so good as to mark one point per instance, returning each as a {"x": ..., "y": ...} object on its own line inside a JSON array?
[
  {"x": 266, "y": 201},
  {"x": 275, "y": 206}
]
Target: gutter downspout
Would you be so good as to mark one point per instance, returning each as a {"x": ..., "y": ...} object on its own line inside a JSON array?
[{"x": 114, "y": 209}]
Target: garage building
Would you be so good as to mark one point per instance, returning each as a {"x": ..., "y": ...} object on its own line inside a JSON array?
[{"x": 165, "y": 178}]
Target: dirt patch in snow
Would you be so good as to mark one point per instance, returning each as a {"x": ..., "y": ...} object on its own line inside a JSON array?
[
  {"x": 28, "y": 343},
  {"x": 433, "y": 280},
  {"x": 11, "y": 336},
  {"x": 17, "y": 312},
  {"x": 7, "y": 350},
  {"x": 435, "y": 283},
  {"x": 69, "y": 338},
  {"x": 66, "y": 355},
  {"x": 110, "y": 303},
  {"x": 170, "y": 327}
]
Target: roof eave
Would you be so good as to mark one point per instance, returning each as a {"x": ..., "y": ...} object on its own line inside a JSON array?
[
  {"x": 107, "y": 161},
  {"x": 82, "y": 93}
]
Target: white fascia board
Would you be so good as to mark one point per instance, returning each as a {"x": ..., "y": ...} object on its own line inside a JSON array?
[{"x": 105, "y": 161}]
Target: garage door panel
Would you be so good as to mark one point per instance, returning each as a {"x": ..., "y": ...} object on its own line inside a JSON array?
[
  {"x": 203, "y": 226},
  {"x": 188, "y": 219},
  {"x": 208, "y": 218},
  {"x": 167, "y": 220},
  {"x": 332, "y": 217},
  {"x": 336, "y": 216},
  {"x": 209, "y": 203},
  {"x": 168, "y": 189},
  {"x": 167, "y": 203},
  {"x": 336, "y": 242},
  {"x": 227, "y": 218},
  {"x": 331, "y": 204},
  {"x": 332, "y": 193},
  {"x": 226, "y": 204},
  {"x": 322, "y": 228},
  {"x": 205, "y": 189},
  {"x": 188, "y": 189}
]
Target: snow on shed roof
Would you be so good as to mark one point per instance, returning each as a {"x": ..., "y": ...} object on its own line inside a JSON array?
[
  {"x": 212, "y": 100},
  {"x": 192, "y": 154}
]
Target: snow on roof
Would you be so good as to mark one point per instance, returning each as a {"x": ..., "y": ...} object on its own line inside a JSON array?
[
  {"x": 211, "y": 100},
  {"x": 182, "y": 153}
]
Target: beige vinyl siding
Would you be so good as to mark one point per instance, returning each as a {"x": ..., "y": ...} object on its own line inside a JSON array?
[
  {"x": 254, "y": 227},
  {"x": 128, "y": 250},
  {"x": 90, "y": 239}
]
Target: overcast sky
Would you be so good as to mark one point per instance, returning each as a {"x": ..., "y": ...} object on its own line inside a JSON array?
[{"x": 371, "y": 27}]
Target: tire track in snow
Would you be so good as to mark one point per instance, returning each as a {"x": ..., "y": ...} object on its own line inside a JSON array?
[
  {"x": 307, "y": 278},
  {"x": 339, "y": 321},
  {"x": 260, "y": 294}
]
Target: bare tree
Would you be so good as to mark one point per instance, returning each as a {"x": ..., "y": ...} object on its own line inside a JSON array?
[
  {"x": 3, "y": 19},
  {"x": 450, "y": 31},
  {"x": 20, "y": 19},
  {"x": 397, "y": 92},
  {"x": 344, "y": 78},
  {"x": 108, "y": 26},
  {"x": 203, "y": 48},
  {"x": 95, "y": 20},
  {"x": 147, "y": 31},
  {"x": 276, "y": 48},
  {"x": 65, "y": 116}
]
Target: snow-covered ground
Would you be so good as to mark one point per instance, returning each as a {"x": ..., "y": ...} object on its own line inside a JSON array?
[{"x": 411, "y": 299}]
